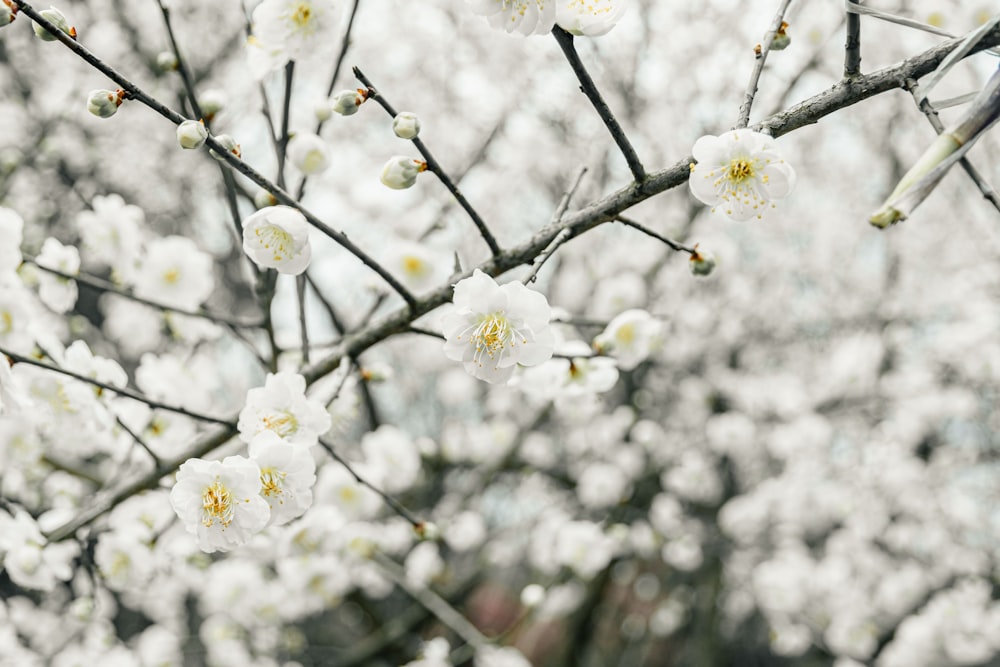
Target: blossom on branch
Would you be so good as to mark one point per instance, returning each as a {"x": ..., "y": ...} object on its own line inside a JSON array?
[
  {"x": 219, "y": 501},
  {"x": 495, "y": 327},
  {"x": 281, "y": 406},
  {"x": 739, "y": 173},
  {"x": 589, "y": 17},
  {"x": 277, "y": 237},
  {"x": 287, "y": 475},
  {"x": 528, "y": 17},
  {"x": 285, "y": 30}
]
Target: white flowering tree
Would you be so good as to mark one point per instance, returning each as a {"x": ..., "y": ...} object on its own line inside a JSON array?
[{"x": 620, "y": 377}]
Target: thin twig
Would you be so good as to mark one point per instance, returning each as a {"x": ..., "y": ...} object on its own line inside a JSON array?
[
  {"x": 286, "y": 112},
  {"x": 335, "y": 318},
  {"x": 932, "y": 116},
  {"x": 182, "y": 68},
  {"x": 345, "y": 44},
  {"x": 434, "y": 167},
  {"x": 121, "y": 391},
  {"x": 852, "y": 46},
  {"x": 679, "y": 247},
  {"x": 434, "y": 603},
  {"x": 300, "y": 289},
  {"x": 135, "y": 93},
  {"x": 543, "y": 257},
  {"x": 389, "y": 500},
  {"x": 589, "y": 89},
  {"x": 139, "y": 441},
  {"x": 563, "y": 205},
  {"x": 758, "y": 66},
  {"x": 425, "y": 332},
  {"x": 105, "y": 286}
]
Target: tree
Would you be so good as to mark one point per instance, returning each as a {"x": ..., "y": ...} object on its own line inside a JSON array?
[{"x": 541, "y": 400}]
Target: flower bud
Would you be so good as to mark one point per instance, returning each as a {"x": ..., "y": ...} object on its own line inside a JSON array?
[
  {"x": 532, "y": 595},
  {"x": 781, "y": 39},
  {"x": 427, "y": 531},
  {"x": 347, "y": 102},
  {"x": 263, "y": 199},
  {"x": 8, "y": 11},
  {"x": 56, "y": 18},
  {"x": 191, "y": 134},
  {"x": 212, "y": 101},
  {"x": 166, "y": 61},
  {"x": 104, "y": 103},
  {"x": 309, "y": 153},
  {"x": 400, "y": 172},
  {"x": 406, "y": 125},
  {"x": 702, "y": 262},
  {"x": 228, "y": 143},
  {"x": 322, "y": 110}
]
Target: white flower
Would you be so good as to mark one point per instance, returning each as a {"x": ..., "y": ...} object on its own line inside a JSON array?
[
  {"x": 281, "y": 406},
  {"x": 228, "y": 143},
  {"x": 393, "y": 457},
  {"x": 56, "y": 18},
  {"x": 111, "y": 233},
  {"x": 191, "y": 134},
  {"x": 581, "y": 375},
  {"x": 28, "y": 559},
  {"x": 589, "y": 17},
  {"x": 103, "y": 103},
  {"x": 400, "y": 172},
  {"x": 406, "y": 125},
  {"x": 8, "y": 11},
  {"x": 277, "y": 237},
  {"x": 702, "y": 262},
  {"x": 13, "y": 398},
  {"x": 286, "y": 30},
  {"x": 419, "y": 267},
  {"x": 309, "y": 153},
  {"x": 630, "y": 337},
  {"x": 525, "y": 16},
  {"x": 11, "y": 231},
  {"x": 347, "y": 102},
  {"x": 739, "y": 173},
  {"x": 287, "y": 475},
  {"x": 56, "y": 292},
  {"x": 493, "y": 328},
  {"x": 175, "y": 272},
  {"x": 220, "y": 502}
]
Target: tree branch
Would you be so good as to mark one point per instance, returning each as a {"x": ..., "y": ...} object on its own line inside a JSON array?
[
  {"x": 589, "y": 89},
  {"x": 758, "y": 67},
  {"x": 434, "y": 167}
]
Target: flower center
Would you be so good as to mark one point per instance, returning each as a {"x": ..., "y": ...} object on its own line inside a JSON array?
[
  {"x": 413, "y": 265},
  {"x": 284, "y": 423},
  {"x": 739, "y": 170},
  {"x": 271, "y": 481},
  {"x": 217, "y": 503},
  {"x": 625, "y": 334},
  {"x": 301, "y": 14},
  {"x": 492, "y": 336},
  {"x": 171, "y": 276},
  {"x": 6, "y": 322},
  {"x": 272, "y": 237}
]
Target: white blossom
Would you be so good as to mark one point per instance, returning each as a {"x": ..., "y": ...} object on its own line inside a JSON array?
[
  {"x": 277, "y": 237},
  {"x": 175, "y": 272},
  {"x": 400, "y": 172},
  {"x": 309, "y": 153},
  {"x": 220, "y": 502},
  {"x": 406, "y": 125},
  {"x": 528, "y": 17},
  {"x": 57, "y": 292},
  {"x": 739, "y": 173},
  {"x": 630, "y": 337},
  {"x": 286, "y": 30},
  {"x": 287, "y": 475},
  {"x": 589, "y": 17},
  {"x": 191, "y": 134},
  {"x": 493, "y": 328},
  {"x": 281, "y": 406}
]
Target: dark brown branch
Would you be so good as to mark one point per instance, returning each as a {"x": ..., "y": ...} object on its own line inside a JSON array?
[
  {"x": 589, "y": 89},
  {"x": 434, "y": 167},
  {"x": 852, "y": 46}
]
